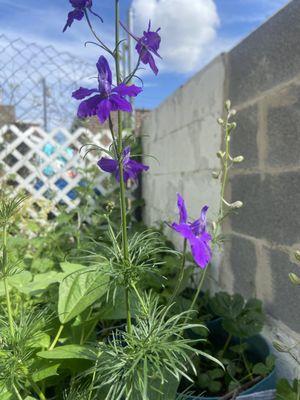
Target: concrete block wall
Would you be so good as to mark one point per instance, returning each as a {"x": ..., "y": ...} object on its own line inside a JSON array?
[{"x": 261, "y": 76}]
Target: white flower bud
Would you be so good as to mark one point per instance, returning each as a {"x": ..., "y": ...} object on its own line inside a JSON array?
[
  {"x": 237, "y": 204},
  {"x": 215, "y": 174},
  {"x": 294, "y": 279},
  {"x": 232, "y": 112},
  {"x": 227, "y": 105},
  {"x": 220, "y": 121},
  {"x": 233, "y": 126},
  {"x": 238, "y": 159}
]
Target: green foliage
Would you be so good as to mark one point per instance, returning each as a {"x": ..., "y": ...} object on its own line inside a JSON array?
[
  {"x": 288, "y": 391},
  {"x": 79, "y": 290},
  {"x": 241, "y": 319}
]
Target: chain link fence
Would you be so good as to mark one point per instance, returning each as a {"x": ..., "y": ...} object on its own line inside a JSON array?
[{"x": 36, "y": 83}]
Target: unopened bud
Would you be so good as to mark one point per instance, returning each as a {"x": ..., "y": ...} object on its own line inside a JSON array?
[
  {"x": 232, "y": 112},
  {"x": 110, "y": 206},
  {"x": 215, "y": 174},
  {"x": 233, "y": 126},
  {"x": 220, "y": 121},
  {"x": 236, "y": 204},
  {"x": 227, "y": 105},
  {"x": 238, "y": 159},
  {"x": 297, "y": 255},
  {"x": 294, "y": 279}
]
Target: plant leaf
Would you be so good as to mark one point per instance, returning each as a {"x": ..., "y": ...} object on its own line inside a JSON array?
[
  {"x": 70, "y": 351},
  {"x": 79, "y": 290}
]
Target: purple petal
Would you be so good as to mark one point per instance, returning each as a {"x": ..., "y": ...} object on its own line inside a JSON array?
[
  {"x": 75, "y": 14},
  {"x": 184, "y": 230},
  {"x": 146, "y": 57},
  {"x": 135, "y": 167},
  {"x": 88, "y": 108},
  {"x": 124, "y": 90},
  {"x": 201, "y": 251},
  {"x": 81, "y": 3},
  {"x": 152, "y": 41},
  {"x": 182, "y": 209},
  {"x": 108, "y": 165},
  {"x": 126, "y": 154},
  {"x": 104, "y": 70},
  {"x": 81, "y": 93},
  {"x": 118, "y": 103},
  {"x": 104, "y": 109}
]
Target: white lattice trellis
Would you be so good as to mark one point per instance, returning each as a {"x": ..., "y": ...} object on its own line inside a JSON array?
[{"x": 47, "y": 164}]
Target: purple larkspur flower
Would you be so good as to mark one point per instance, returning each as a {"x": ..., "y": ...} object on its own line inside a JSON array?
[
  {"x": 131, "y": 168},
  {"x": 78, "y": 13},
  {"x": 146, "y": 45},
  {"x": 195, "y": 233},
  {"x": 108, "y": 98}
]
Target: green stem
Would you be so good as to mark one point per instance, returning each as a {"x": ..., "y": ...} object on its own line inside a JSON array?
[
  {"x": 226, "y": 344},
  {"x": 7, "y": 295},
  {"x": 56, "y": 339},
  {"x": 17, "y": 392},
  {"x": 181, "y": 274},
  {"x": 140, "y": 298},
  {"x": 36, "y": 388},
  {"x": 121, "y": 171}
]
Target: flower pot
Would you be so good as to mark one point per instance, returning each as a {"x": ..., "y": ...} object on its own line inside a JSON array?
[{"x": 258, "y": 351}]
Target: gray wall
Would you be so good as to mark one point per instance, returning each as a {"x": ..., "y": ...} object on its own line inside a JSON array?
[{"x": 262, "y": 78}]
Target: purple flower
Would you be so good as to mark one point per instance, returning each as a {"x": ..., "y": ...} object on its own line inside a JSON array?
[
  {"x": 146, "y": 45},
  {"x": 108, "y": 98},
  {"x": 78, "y": 13},
  {"x": 131, "y": 168},
  {"x": 195, "y": 233}
]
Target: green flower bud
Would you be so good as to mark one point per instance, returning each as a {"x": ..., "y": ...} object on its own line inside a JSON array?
[
  {"x": 215, "y": 174},
  {"x": 220, "y": 121},
  {"x": 297, "y": 255},
  {"x": 294, "y": 279}
]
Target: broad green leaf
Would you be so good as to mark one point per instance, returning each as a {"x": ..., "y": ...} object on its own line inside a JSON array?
[
  {"x": 68, "y": 268},
  {"x": 41, "y": 282},
  {"x": 45, "y": 371},
  {"x": 71, "y": 351},
  {"x": 39, "y": 341},
  {"x": 17, "y": 281},
  {"x": 79, "y": 290}
]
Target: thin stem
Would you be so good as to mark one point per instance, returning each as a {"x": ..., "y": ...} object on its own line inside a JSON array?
[
  {"x": 56, "y": 339},
  {"x": 140, "y": 298},
  {"x": 95, "y": 34},
  {"x": 17, "y": 392},
  {"x": 121, "y": 171},
  {"x": 181, "y": 274},
  {"x": 36, "y": 388},
  {"x": 7, "y": 295},
  {"x": 226, "y": 344}
]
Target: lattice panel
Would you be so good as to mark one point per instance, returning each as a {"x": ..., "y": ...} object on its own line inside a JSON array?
[{"x": 48, "y": 164}]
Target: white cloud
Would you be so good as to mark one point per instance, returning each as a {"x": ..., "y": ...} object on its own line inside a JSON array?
[{"x": 188, "y": 29}]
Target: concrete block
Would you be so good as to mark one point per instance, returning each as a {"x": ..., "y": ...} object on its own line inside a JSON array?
[
  {"x": 244, "y": 138},
  {"x": 268, "y": 57},
  {"x": 284, "y": 128},
  {"x": 286, "y": 296},
  {"x": 271, "y": 206}
]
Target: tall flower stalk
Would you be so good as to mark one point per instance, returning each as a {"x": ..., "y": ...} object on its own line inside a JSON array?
[{"x": 121, "y": 170}]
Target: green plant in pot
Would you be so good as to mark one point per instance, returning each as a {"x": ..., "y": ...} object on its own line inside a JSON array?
[{"x": 234, "y": 338}]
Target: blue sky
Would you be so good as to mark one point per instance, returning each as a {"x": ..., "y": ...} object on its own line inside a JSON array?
[{"x": 217, "y": 26}]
